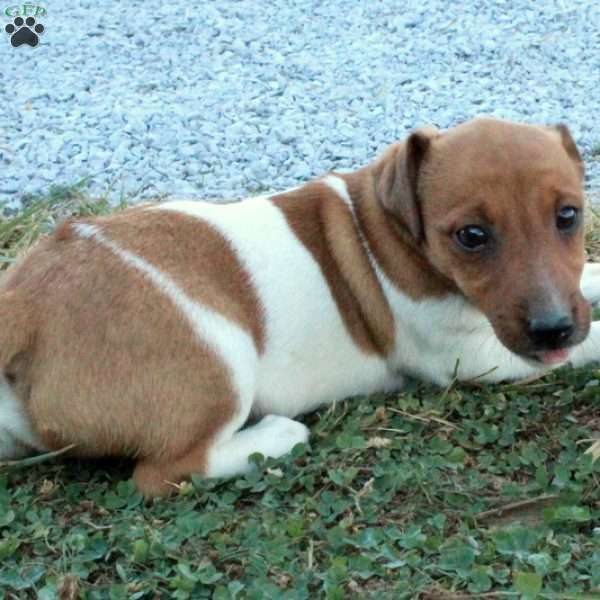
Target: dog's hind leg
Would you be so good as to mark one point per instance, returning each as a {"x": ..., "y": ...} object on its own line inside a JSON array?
[
  {"x": 590, "y": 282},
  {"x": 273, "y": 436},
  {"x": 17, "y": 437}
]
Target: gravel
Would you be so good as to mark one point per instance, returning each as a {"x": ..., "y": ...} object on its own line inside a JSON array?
[{"x": 230, "y": 98}]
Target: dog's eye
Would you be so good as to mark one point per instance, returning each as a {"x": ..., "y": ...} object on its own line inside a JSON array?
[
  {"x": 567, "y": 218},
  {"x": 472, "y": 237}
]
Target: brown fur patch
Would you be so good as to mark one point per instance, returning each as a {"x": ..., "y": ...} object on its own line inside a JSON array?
[
  {"x": 323, "y": 223},
  {"x": 114, "y": 368}
]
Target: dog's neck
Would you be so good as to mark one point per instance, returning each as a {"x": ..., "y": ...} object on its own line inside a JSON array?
[
  {"x": 368, "y": 260},
  {"x": 397, "y": 255}
]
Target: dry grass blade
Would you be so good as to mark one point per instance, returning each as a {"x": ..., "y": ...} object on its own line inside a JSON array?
[
  {"x": 427, "y": 418},
  {"x": 594, "y": 450},
  {"x": 35, "y": 460},
  {"x": 521, "y": 510}
]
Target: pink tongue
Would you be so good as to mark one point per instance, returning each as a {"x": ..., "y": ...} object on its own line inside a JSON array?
[{"x": 553, "y": 357}]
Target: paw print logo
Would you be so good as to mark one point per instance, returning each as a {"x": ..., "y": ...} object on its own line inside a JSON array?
[{"x": 24, "y": 31}]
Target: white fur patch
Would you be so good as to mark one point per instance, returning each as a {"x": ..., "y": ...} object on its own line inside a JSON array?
[
  {"x": 338, "y": 185},
  {"x": 17, "y": 439},
  {"x": 86, "y": 230}
]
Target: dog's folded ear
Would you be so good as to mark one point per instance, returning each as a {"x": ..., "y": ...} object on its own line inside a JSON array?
[
  {"x": 569, "y": 145},
  {"x": 397, "y": 176}
]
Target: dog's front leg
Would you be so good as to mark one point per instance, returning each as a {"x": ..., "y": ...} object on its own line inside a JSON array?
[
  {"x": 589, "y": 350},
  {"x": 483, "y": 357},
  {"x": 461, "y": 343},
  {"x": 590, "y": 282}
]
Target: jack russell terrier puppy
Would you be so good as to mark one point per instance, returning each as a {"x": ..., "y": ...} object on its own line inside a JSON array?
[{"x": 157, "y": 332}]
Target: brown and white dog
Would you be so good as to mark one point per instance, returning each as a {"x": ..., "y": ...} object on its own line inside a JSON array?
[{"x": 157, "y": 332}]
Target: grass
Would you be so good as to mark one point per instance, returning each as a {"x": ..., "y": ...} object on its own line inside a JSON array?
[
  {"x": 468, "y": 492},
  {"x": 40, "y": 215}
]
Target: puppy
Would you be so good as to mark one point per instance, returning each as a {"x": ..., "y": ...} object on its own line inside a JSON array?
[{"x": 158, "y": 331}]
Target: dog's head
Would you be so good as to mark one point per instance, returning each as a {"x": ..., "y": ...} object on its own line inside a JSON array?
[{"x": 497, "y": 208}]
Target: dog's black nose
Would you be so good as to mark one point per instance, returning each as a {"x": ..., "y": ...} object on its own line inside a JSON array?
[{"x": 550, "y": 331}]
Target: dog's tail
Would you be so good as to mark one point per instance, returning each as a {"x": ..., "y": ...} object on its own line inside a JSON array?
[{"x": 16, "y": 326}]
